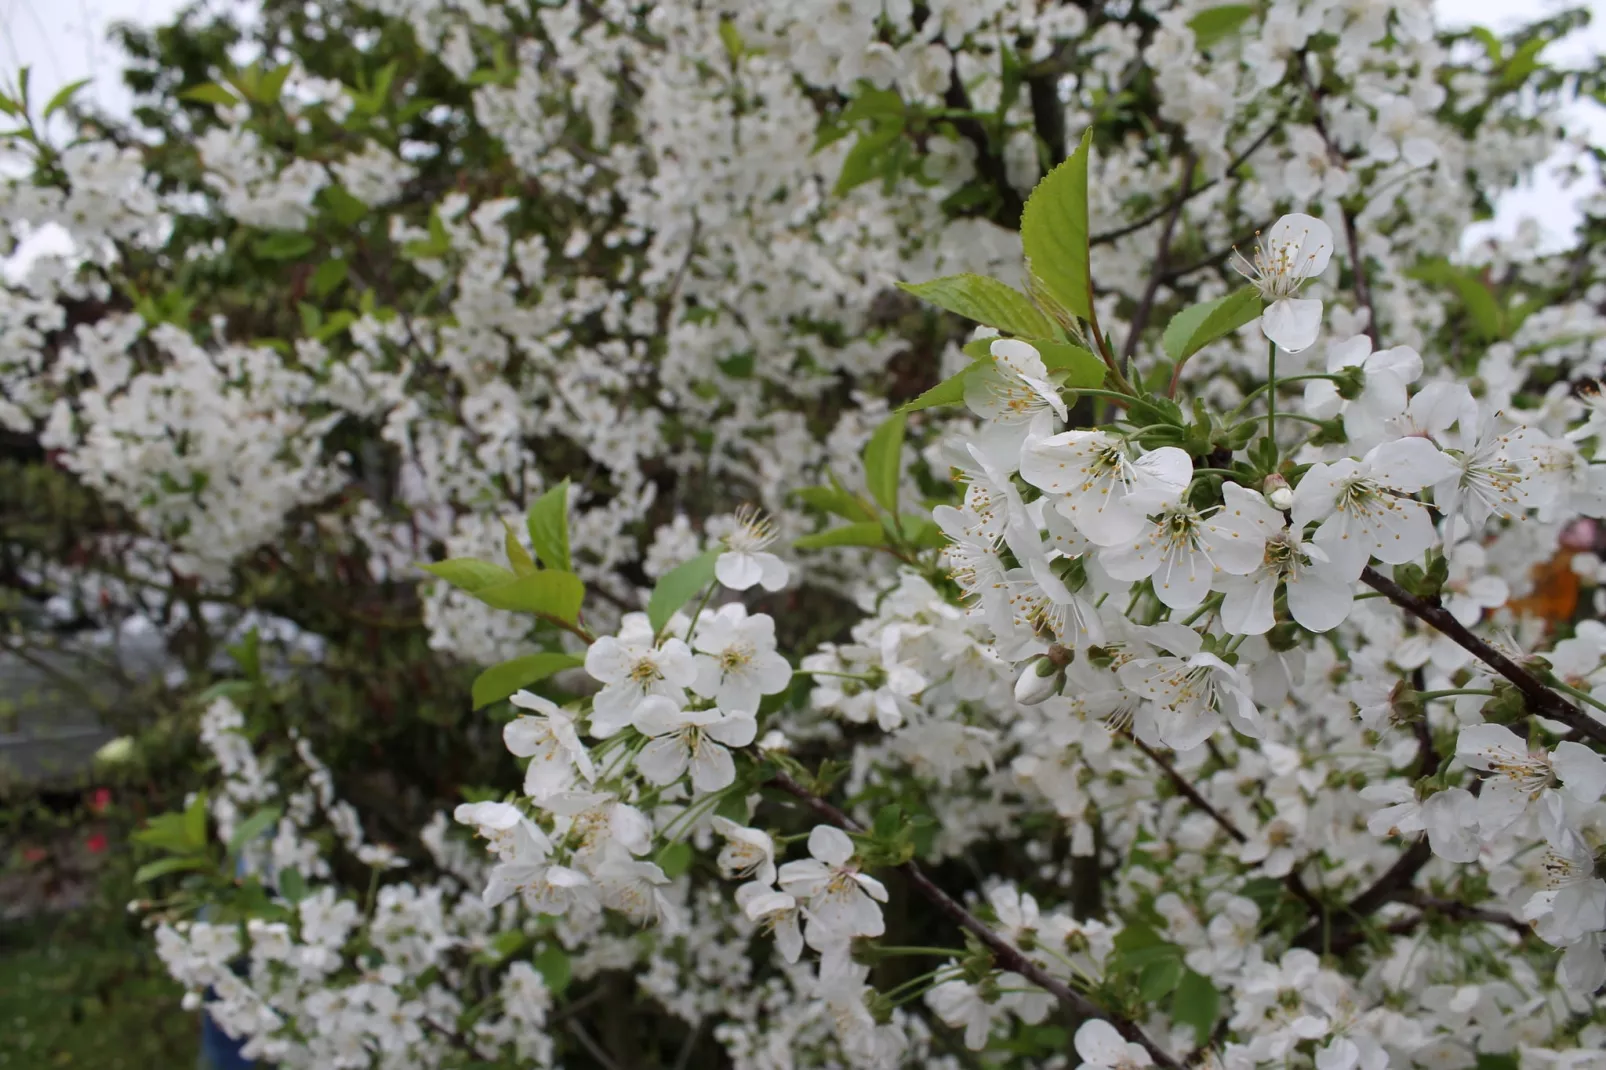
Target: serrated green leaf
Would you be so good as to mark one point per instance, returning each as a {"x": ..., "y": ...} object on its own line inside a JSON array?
[
  {"x": 1196, "y": 1003},
  {"x": 283, "y": 245},
  {"x": 1054, "y": 233},
  {"x": 518, "y": 558},
  {"x": 248, "y": 830},
  {"x": 985, "y": 300},
  {"x": 1198, "y": 325},
  {"x": 883, "y": 462},
  {"x": 500, "y": 681},
  {"x": 469, "y": 573},
  {"x": 678, "y": 586},
  {"x": 674, "y": 859},
  {"x": 210, "y": 93},
  {"x": 548, "y": 522},
  {"x": 549, "y": 592},
  {"x": 163, "y": 866},
  {"x": 553, "y": 966},
  {"x": 868, "y": 533},
  {"x": 166, "y": 832},
  {"x": 951, "y": 391},
  {"x": 1215, "y": 23}
]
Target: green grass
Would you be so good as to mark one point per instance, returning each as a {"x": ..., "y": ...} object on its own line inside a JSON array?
[{"x": 87, "y": 990}]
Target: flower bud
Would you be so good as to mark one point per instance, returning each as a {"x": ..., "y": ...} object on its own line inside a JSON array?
[
  {"x": 1277, "y": 492},
  {"x": 116, "y": 751},
  {"x": 1039, "y": 681}
]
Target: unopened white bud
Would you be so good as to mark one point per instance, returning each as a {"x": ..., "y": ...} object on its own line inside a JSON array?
[
  {"x": 1039, "y": 681},
  {"x": 1277, "y": 492}
]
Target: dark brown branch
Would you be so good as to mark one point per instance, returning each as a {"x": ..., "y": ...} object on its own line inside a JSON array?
[
  {"x": 989, "y": 165},
  {"x": 1295, "y": 883},
  {"x": 1006, "y": 955},
  {"x": 1541, "y": 699},
  {"x": 1140, "y": 318},
  {"x": 1387, "y": 887}
]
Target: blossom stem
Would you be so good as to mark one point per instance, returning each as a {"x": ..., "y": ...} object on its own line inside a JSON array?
[
  {"x": 1005, "y": 955},
  {"x": 1580, "y": 695},
  {"x": 1451, "y": 692},
  {"x": 1261, "y": 389},
  {"x": 1271, "y": 392},
  {"x": 941, "y": 952}
]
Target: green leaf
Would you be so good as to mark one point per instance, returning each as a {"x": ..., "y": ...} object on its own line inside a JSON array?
[
  {"x": 292, "y": 885},
  {"x": 1196, "y": 1003},
  {"x": 1488, "y": 319},
  {"x": 835, "y": 500},
  {"x": 165, "y": 832},
  {"x": 469, "y": 573},
  {"x": 1053, "y": 231},
  {"x": 283, "y": 245},
  {"x": 1214, "y": 23},
  {"x": 195, "y": 822},
  {"x": 867, "y": 158},
  {"x": 553, "y": 966},
  {"x": 548, "y": 521},
  {"x": 248, "y": 830},
  {"x": 951, "y": 391},
  {"x": 882, "y": 462},
  {"x": 549, "y": 592},
  {"x": 1159, "y": 978},
  {"x": 674, "y": 859},
  {"x": 272, "y": 83},
  {"x": 1198, "y": 325},
  {"x": 921, "y": 533},
  {"x": 210, "y": 93},
  {"x": 1080, "y": 367},
  {"x": 517, "y": 556},
  {"x": 731, "y": 38},
  {"x": 868, "y": 533},
  {"x": 330, "y": 274},
  {"x": 500, "y": 681},
  {"x": 63, "y": 95},
  {"x": 346, "y": 209},
  {"x": 985, "y": 300},
  {"x": 678, "y": 586},
  {"x": 163, "y": 866}
]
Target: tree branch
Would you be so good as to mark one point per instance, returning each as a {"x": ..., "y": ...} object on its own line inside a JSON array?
[
  {"x": 1363, "y": 288},
  {"x": 1005, "y": 955},
  {"x": 1186, "y": 195},
  {"x": 1140, "y": 318},
  {"x": 1543, "y": 700}
]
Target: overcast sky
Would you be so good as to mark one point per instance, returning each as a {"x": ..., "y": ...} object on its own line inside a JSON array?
[{"x": 65, "y": 40}]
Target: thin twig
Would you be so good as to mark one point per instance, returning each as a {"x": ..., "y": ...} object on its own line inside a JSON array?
[
  {"x": 1363, "y": 288},
  {"x": 1005, "y": 955},
  {"x": 595, "y": 1050},
  {"x": 1140, "y": 318},
  {"x": 1187, "y": 194}
]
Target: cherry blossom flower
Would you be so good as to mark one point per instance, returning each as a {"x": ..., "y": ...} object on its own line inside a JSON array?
[
  {"x": 841, "y": 900},
  {"x": 1016, "y": 399},
  {"x": 1522, "y": 778},
  {"x": 1099, "y": 484},
  {"x": 552, "y": 743},
  {"x": 1296, "y": 249},
  {"x": 745, "y": 561},
  {"x": 695, "y": 740},
  {"x": 736, "y": 660},
  {"x": 631, "y": 669},
  {"x": 1103, "y": 1048},
  {"x": 1362, "y": 508}
]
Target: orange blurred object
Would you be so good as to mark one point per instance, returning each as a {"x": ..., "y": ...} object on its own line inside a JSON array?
[{"x": 1555, "y": 595}]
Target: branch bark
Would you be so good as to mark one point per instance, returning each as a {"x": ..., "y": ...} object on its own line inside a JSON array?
[
  {"x": 1541, "y": 699},
  {"x": 1006, "y": 955},
  {"x": 1140, "y": 318}
]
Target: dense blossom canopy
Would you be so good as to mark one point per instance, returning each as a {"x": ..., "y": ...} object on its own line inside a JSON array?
[{"x": 998, "y": 532}]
